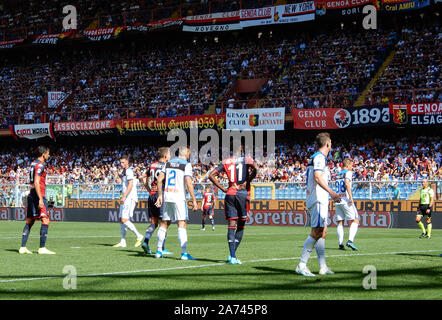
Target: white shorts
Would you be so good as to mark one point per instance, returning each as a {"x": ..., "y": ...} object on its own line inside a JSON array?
[
  {"x": 345, "y": 211},
  {"x": 127, "y": 209},
  {"x": 175, "y": 211},
  {"x": 318, "y": 215}
]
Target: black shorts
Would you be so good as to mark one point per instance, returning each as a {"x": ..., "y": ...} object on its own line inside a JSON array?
[
  {"x": 152, "y": 209},
  {"x": 237, "y": 206},
  {"x": 208, "y": 212},
  {"x": 34, "y": 212},
  {"x": 422, "y": 210}
]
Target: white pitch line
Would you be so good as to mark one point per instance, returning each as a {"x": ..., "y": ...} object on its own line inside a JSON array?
[
  {"x": 213, "y": 265},
  {"x": 171, "y": 235}
]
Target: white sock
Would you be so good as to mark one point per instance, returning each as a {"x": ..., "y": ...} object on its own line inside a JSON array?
[
  {"x": 353, "y": 230},
  {"x": 132, "y": 228},
  {"x": 306, "y": 251},
  {"x": 182, "y": 238},
  {"x": 161, "y": 235},
  {"x": 123, "y": 232},
  {"x": 320, "y": 250},
  {"x": 340, "y": 230}
]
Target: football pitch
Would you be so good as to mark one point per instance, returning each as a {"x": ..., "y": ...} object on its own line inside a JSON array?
[{"x": 406, "y": 267}]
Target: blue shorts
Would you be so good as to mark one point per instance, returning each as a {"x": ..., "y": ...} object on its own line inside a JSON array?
[
  {"x": 237, "y": 206},
  {"x": 152, "y": 209}
]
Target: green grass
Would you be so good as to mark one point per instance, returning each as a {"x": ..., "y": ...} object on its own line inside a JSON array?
[{"x": 407, "y": 267}]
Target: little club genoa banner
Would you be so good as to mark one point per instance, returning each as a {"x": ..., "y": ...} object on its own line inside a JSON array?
[{"x": 255, "y": 119}]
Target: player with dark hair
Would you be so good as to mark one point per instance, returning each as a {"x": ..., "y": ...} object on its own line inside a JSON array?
[
  {"x": 240, "y": 170},
  {"x": 37, "y": 203},
  {"x": 151, "y": 184},
  {"x": 207, "y": 208}
]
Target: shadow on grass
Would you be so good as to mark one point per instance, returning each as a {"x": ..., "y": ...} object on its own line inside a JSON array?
[{"x": 12, "y": 250}]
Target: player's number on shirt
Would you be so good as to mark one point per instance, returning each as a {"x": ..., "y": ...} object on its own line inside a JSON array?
[
  {"x": 340, "y": 186},
  {"x": 154, "y": 173},
  {"x": 232, "y": 171},
  {"x": 172, "y": 178}
]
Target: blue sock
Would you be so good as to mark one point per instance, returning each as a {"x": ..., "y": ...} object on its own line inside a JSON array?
[
  {"x": 231, "y": 241},
  {"x": 238, "y": 236},
  {"x": 43, "y": 235},
  {"x": 25, "y": 235}
]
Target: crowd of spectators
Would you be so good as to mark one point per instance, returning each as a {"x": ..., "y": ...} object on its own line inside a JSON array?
[
  {"x": 416, "y": 64},
  {"x": 20, "y": 19},
  {"x": 375, "y": 160},
  {"x": 328, "y": 69}
]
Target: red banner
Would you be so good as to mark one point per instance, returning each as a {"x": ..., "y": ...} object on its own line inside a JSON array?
[
  {"x": 311, "y": 119},
  {"x": 83, "y": 126},
  {"x": 418, "y": 108},
  {"x": 342, "y": 4}
]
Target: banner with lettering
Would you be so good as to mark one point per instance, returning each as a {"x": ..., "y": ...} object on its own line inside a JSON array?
[
  {"x": 33, "y": 131},
  {"x": 342, "y": 8},
  {"x": 403, "y": 5},
  {"x": 10, "y": 44},
  {"x": 51, "y": 38},
  {"x": 255, "y": 119},
  {"x": 86, "y": 128},
  {"x": 341, "y": 118},
  {"x": 417, "y": 113},
  {"x": 290, "y": 13},
  {"x": 103, "y": 33},
  {"x": 221, "y": 21},
  {"x": 161, "y": 126}
]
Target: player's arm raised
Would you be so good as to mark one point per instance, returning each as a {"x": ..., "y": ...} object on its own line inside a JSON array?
[
  {"x": 319, "y": 179},
  {"x": 160, "y": 180},
  {"x": 212, "y": 177}
]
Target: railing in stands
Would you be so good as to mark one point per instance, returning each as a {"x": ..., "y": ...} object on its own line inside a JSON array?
[{"x": 12, "y": 195}]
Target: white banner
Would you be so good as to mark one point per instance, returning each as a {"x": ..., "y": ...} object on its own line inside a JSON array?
[
  {"x": 33, "y": 131},
  {"x": 255, "y": 119},
  {"x": 55, "y": 98},
  {"x": 221, "y": 21},
  {"x": 290, "y": 13}
]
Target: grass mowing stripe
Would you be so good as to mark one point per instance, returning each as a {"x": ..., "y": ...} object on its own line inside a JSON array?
[{"x": 216, "y": 264}]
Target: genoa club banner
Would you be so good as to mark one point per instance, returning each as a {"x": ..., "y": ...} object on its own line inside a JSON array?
[
  {"x": 33, "y": 131},
  {"x": 340, "y": 118},
  {"x": 342, "y": 8},
  {"x": 255, "y": 119},
  {"x": 290, "y": 13},
  {"x": 222, "y": 21},
  {"x": 417, "y": 113},
  {"x": 85, "y": 128},
  {"x": 161, "y": 126},
  {"x": 402, "y": 5}
]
